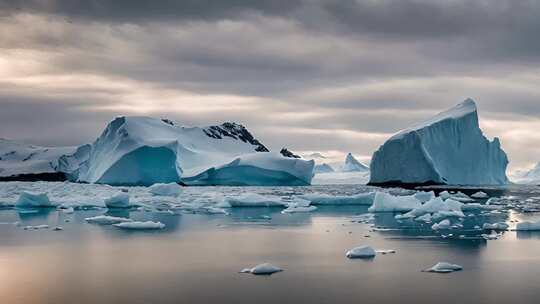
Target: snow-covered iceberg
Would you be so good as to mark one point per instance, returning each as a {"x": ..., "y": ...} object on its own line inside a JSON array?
[
  {"x": 24, "y": 162},
  {"x": 447, "y": 149},
  {"x": 353, "y": 165},
  {"x": 144, "y": 151}
]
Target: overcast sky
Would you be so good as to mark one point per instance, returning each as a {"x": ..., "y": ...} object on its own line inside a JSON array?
[{"x": 330, "y": 76}]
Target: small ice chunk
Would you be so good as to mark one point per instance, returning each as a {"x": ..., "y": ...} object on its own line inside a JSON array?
[
  {"x": 444, "y": 267},
  {"x": 58, "y": 228},
  {"x": 384, "y": 202},
  {"x": 492, "y": 236},
  {"x": 107, "y": 220},
  {"x": 480, "y": 194},
  {"x": 299, "y": 209},
  {"x": 495, "y": 226},
  {"x": 171, "y": 189},
  {"x": 386, "y": 251},
  {"x": 444, "y": 224},
  {"x": 262, "y": 269},
  {"x": 32, "y": 199},
  {"x": 362, "y": 252},
  {"x": 528, "y": 226},
  {"x": 255, "y": 200},
  {"x": 37, "y": 227},
  {"x": 120, "y": 200},
  {"x": 148, "y": 225}
]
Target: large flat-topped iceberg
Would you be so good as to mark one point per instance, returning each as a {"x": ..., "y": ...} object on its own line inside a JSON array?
[
  {"x": 447, "y": 149},
  {"x": 144, "y": 151}
]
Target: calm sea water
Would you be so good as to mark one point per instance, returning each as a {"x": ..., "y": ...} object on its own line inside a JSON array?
[{"x": 197, "y": 257}]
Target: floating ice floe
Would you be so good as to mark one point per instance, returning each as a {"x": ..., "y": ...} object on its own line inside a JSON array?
[
  {"x": 480, "y": 194},
  {"x": 37, "y": 227},
  {"x": 492, "y": 236},
  {"x": 423, "y": 196},
  {"x": 120, "y": 200},
  {"x": 299, "y": 205},
  {"x": 31, "y": 199},
  {"x": 160, "y": 189},
  {"x": 444, "y": 267},
  {"x": 326, "y": 199},
  {"x": 444, "y": 224},
  {"x": 495, "y": 226},
  {"x": 148, "y": 225},
  {"x": 528, "y": 226},
  {"x": 362, "y": 252},
  {"x": 254, "y": 200},
  {"x": 438, "y": 208},
  {"x": 107, "y": 220},
  {"x": 386, "y": 251},
  {"x": 262, "y": 269},
  {"x": 457, "y": 196},
  {"x": 384, "y": 202}
]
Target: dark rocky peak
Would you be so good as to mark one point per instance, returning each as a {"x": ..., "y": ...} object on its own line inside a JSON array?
[
  {"x": 285, "y": 152},
  {"x": 235, "y": 131}
]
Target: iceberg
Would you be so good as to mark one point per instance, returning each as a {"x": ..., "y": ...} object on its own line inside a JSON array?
[
  {"x": 353, "y": 165},
  {"x": 323, "y": 168},
  {"x": 362, "y": 252},
  {"x": 257, "y": 169},
  {"x": 384, "y": 202},
  {"x": 148, "y": 225},
  {"x": 447, "y": 149},
  {"x": 171, "y": 189},
  {"x": 262, "y": 269},
  {"x": 107, "y": 220},
  {"x": 31, "y": 199},
  {"x": 25, "y": 162},
  {"x": 120, "y": 200},
  {"x": 444, "y": 267}
]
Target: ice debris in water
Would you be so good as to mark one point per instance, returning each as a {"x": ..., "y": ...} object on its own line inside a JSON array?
[
  {"x": 495, "y": 226},
  {"x": 444, "y": 224},
  {"x": 171, "y": 189},
  {"x": 148, "y": 225},
  {"x": 31, "y": 199},
  {"x": 458, "y": 196},
  {"x": 492, "y": 236},
  {"x": 444, "y": 267},
  {"x": 386, "y": 251},
  {"x": 299, "y": 205},
  {"x": 37, "y": 227},
  {"x": 384, "y": 202},
  {"x": 438, "y": 208},
  {"x": 326, "y": 199},
  {"x": 120, "y": 200},
  {"x": 107, "y": 220},
  {"x": 528, "y": 226},
  {"x": 480, "y": 194},
  {"x": 262, "y": 269},
  {"x": 253, "y": 200},
  {"x": 362, "y": 252}
]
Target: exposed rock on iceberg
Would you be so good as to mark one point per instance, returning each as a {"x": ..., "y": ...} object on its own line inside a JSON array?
[{"x": 447, "y": 149}]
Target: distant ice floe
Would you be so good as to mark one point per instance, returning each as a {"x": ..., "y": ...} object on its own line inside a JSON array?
[
  {"x": 253, "y": 200},
  {"x": 326, "y": 199},
  {"x": 160, "y": 189},
  {"x": 33, "y": 199},
  {"x": 148, "y": 225},
  {"x": 107, "y": 220},
  {"x": 262, "y": 269},
  {"x": 495, "y": 226},
  {"x": 120, "y": 200},
  {"x": 362, "y": 252},
  {"x": 444, "y": 267}
]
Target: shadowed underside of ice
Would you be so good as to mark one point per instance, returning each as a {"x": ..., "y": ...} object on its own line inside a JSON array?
[
  {"x": 145, "y": 151},
  {"x": 447, "y": 149}
]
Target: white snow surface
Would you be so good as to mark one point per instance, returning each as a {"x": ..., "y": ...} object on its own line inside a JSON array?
[
  {"x": 18, "y": 158},
  {"x": 446, "y": 149}
]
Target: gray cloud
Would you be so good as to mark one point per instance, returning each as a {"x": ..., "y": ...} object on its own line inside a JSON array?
[{"x": 311, "y": 75}]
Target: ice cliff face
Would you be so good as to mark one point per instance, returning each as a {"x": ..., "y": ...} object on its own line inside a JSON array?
[
  {"x": 447, "y": 149},
  {"x": 144, "y": 151}
]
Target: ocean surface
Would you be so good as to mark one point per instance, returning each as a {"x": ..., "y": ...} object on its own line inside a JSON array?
[{"x": 197, "y": 257}]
